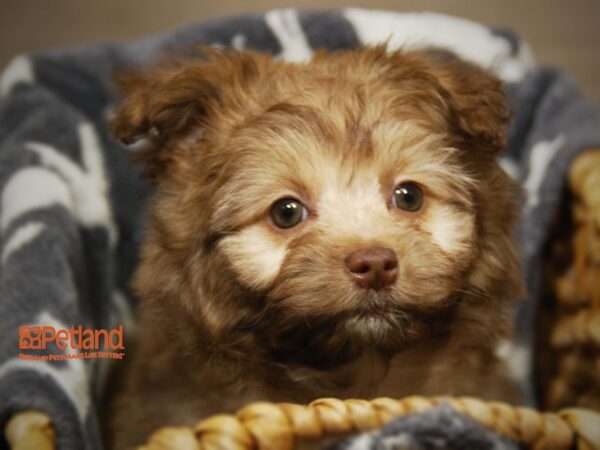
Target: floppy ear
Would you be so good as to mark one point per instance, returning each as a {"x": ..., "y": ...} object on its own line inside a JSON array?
[
  {"x": 169, "y": 101},
  {"x": 478, "y": 105},
  {"x": 159, "y": 103}
]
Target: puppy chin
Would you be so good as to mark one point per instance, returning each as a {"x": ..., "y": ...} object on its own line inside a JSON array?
[
  {"x": 372, "y": 319},
  {"x": 376, "y": 328},
  {"x": 384, "y": 321}
]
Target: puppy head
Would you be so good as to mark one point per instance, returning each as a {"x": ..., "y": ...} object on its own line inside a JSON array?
[{"x": 314, "y": 209}]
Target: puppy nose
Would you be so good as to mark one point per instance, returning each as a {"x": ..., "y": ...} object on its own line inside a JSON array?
[{"x": 373, "y": 268}]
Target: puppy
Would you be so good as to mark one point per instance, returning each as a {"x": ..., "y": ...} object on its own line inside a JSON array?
[{"x": 335, "y": 228}]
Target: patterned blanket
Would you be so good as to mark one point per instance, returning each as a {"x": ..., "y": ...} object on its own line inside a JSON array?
[{"x": 72, "y": 208}]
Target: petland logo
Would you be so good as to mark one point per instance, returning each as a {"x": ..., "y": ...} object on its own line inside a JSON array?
[{"x": 77, "y": 342}]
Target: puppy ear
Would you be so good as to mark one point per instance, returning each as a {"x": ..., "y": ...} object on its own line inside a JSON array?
[
  {"x": 478, "y": 105},
  {"x": 175, "y": 98},
  {"x": 159, "y": 103}
]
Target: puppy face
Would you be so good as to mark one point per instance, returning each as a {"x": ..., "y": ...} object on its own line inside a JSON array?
[
  {"x": 346, "y": 199},
  {"x": 320, "y": 208}
]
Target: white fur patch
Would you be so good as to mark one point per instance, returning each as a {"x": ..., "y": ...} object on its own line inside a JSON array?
[
  {"x": 449, "y": 230},
  {"x": 503, "y": 349},
  {"x": 255, "y": 254},
  {"x": 368, "y": 328},
  {"x": 517, "y": 359},
  {"x": 356, "y": 210}
]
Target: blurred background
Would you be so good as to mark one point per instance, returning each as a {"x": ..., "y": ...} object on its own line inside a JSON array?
[{"x": 561, "y": 33}]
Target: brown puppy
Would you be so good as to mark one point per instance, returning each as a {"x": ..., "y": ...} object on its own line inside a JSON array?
[{"x": 336, "y": 228}]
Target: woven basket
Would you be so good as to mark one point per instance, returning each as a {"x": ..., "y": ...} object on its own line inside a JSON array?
[
  {"x": 568, "y": 367},
  {"x": 568, "y": 345},
  {"x": 286, "y": 426}
]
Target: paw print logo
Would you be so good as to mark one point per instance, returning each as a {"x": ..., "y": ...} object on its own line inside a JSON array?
[{"x": 30, "y": 337}]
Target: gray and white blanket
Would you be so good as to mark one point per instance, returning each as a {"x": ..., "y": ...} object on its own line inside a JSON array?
[{"x": 72, "y": 208}]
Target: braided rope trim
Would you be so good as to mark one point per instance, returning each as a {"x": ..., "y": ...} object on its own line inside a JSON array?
[
  {"x": 280, "y": 426},
  {"x": 583, "y": 327},
  {"x": 30, "y": 430},
  {"x": 583, "y": 177},
  {"x": 584, "y": 182},
  {"x": 573, "y": 339}
]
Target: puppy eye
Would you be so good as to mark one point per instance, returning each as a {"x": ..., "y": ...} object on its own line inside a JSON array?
[
  {"x": 287, "y": 213},
  {"x": 408, "y": 196}
]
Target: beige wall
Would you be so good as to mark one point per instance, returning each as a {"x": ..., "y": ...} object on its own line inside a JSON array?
[{"x": 565, "y": 33}]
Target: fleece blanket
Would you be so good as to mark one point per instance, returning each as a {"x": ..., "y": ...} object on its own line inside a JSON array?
[
  {"x": 72, "y": 208},
  {"x": 440, "y": 428}
]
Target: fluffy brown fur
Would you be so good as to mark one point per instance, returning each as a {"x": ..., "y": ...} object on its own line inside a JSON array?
[{"x": 236, "y": 310}]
